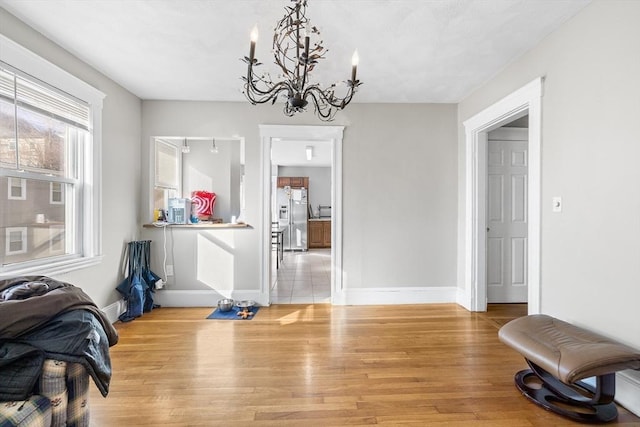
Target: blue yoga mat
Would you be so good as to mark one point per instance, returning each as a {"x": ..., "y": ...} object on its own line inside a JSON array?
[{"x": 232, "y": 314}]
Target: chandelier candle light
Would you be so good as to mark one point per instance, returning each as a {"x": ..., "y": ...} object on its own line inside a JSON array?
[{"x": 296, "y": 58}]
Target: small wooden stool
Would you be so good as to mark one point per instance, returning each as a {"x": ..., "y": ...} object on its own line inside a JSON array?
[{"x": 561, "y": 356}]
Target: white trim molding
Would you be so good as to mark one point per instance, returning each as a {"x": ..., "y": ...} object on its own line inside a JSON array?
[
  {"x": 628, "y": 390},
  {"x": 400, "y": 295},
  {"x": 526, "y": 100},
  {"x": 303, "y": 133},
  {"x": 114, "y": 310},
  {"x": 202, "y": 298},
  {"x": 361, "y": 296}
]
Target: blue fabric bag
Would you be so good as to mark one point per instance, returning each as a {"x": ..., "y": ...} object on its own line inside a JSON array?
[{"x": 134, "y": 289}]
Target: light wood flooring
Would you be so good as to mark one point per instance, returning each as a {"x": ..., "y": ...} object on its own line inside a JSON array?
[{"x": 319, "y": 365}]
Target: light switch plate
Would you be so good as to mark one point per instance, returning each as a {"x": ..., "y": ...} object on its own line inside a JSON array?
[{"x": 557, "y": 204}]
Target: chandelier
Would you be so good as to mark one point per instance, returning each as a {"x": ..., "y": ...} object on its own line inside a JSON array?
[{"x": 296, "y": 57}]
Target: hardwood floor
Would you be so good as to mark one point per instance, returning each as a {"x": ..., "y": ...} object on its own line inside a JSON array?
[{"x": 319, "y": 365}]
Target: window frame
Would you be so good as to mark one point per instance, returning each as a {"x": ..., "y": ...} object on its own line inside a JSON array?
[
  {"x": 23, "y": 188},
  {"x": 8, "y": 241},
  {"x": 89, "y": 223},
  {"x": 51, "y": 192},
  {"x": 175, "y": 144}
]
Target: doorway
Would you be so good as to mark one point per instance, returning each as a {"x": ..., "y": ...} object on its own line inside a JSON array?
[
  {"x": 525, "y": 101},
  {"x": 270, "y": 134},
  {"x": 301, "y": 214}
]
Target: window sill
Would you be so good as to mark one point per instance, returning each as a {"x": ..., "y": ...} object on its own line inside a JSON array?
[{"x": 51, "y": 269}]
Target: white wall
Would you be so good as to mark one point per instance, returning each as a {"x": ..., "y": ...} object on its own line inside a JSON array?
[
  {"x": 399, "y": 156},
  {"x": 590, "y": 258},
  {"x": 120, "y": 161}
]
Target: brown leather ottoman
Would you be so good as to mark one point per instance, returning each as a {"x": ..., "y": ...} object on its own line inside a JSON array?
[{"x": 572, "y": 369}]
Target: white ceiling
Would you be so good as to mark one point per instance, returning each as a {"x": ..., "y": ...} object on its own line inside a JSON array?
[{"x": 410, "y": 50}]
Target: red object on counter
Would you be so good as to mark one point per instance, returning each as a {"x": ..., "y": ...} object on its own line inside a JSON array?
[{"x": 203, "y": 203}]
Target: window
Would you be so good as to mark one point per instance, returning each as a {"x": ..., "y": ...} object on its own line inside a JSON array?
[
  {"x": 49, "y": 158},
  {"x": 17, "y": 188},
  {"x": 55, "y": 193},
  {"x": 167, "y": 172},
  {"x": 16, "y": 240}
]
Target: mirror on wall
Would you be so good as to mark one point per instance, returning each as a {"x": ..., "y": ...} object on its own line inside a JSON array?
[{"x": 183, "y": 165}]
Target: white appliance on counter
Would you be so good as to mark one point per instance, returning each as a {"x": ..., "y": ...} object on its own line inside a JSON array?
[
  {"x": 179, "y": 211},
  {"x": 292, "y": 211}
]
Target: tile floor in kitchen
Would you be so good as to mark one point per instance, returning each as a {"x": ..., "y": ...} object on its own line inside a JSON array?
[{"x": 303, "y": 278}]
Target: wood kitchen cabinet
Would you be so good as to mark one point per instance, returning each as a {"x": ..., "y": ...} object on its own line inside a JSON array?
[
  {"x": 293, "y": 181},
  {"x": 319, "y": 234},
  {"x": 284, "y": 181},
  {"x": 326, "y": 234}
]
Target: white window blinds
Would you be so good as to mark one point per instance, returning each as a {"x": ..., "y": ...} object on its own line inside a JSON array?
[
  {"x": 166, "y": 165},
  {"x": 37, "y": 96}
]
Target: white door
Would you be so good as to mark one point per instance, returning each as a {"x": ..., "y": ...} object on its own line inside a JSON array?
[{"x": 507, "y": 216}]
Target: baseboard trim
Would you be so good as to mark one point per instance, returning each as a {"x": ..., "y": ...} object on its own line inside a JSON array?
[
  {"x": 628, "y": 390},
  {"x": 114, "y": 310},
  {"x": 400, "y": 295},
  {"x": 463, "y": 299},
  {"x": 201, "y": 298},
  {"x": 363, "y": 296}
]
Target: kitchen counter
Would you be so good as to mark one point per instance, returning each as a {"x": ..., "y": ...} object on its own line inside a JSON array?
[{"x": 319, "y": 219}]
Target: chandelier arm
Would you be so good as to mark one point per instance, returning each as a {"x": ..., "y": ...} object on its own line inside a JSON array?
[
  {"x": 251, "y": 77},
  {"x": 332, "y": 100},
  {"x": 259, "y": 96},
  {"x": 265, "y": 96},
  {"x": 320, "y": 109},
  {"x": 251, "y": 84}
]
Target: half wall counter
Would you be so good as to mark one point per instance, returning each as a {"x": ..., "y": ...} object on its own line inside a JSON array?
[{"x": 204, "y": 262}]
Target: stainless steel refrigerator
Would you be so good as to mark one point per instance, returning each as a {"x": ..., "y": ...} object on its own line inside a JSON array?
[{"x": 292, "y": 217}]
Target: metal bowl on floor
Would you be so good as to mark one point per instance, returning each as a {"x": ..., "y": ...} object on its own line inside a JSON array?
[
  {"x": 248, "y": 304},
  {"x": 225, "y": 304}
]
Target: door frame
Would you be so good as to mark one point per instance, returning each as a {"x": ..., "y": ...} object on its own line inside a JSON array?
[
  {"x": 526, "y": 100},
  {"x": 333, "y": 134}
]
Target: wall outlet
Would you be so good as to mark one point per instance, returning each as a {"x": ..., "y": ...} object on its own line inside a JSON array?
[{"x": 169, "y": 269}]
